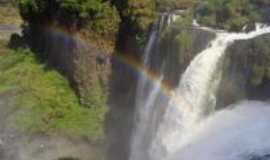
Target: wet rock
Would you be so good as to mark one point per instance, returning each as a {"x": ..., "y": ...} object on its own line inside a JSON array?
[
  {"x": 246, "y": 71},
  {"x": 176, "y": 49}
]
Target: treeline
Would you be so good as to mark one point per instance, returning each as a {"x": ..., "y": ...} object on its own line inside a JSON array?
[
  {"x": 97, "y": 15},
  {"x": 232, "y": 14},
  {"x": 107, "y": 16},
  {"x": 101, "y": 16}
]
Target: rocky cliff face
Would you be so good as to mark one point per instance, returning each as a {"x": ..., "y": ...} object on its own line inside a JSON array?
[
  {"x": 246, "y": 71},
  {"x": 178, "y": 46},
  {"x": 86, "y": 66}
]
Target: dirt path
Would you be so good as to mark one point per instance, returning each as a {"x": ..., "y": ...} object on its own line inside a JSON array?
[{"x": 7, "y": 30}]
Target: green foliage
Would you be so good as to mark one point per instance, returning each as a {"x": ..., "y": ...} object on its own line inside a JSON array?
[
  {"x": 107, "y": 23},
  {"x": 48, "y": 103},
  {"x": 186, "y": 19},
  {"x": 141, "y": 13},
  {"x": 136, "y": 14},
  {"x": 228, "y": 14},
  {"x": 98, "y": 15},
  {"x": 165, "y": 5},
  {"x": 32, "y": 9},
  {"x": 93, "y": 95}
]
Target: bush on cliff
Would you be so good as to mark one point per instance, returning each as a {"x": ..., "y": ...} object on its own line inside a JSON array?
[{"x": 48, "y": 103}]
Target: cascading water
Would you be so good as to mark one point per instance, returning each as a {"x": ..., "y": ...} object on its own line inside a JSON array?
[
  {"x": 184, "y": 129},
  {"x": 148, "y": 97},
  {"x": 148, "y": 94}
]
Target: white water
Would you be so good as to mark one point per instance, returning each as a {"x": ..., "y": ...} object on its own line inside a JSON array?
[
  {"x": 185, "y": 129},
  {"x": 238, "y": 133}
]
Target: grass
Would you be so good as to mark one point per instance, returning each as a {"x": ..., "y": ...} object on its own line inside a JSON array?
[
  {"x": 48, "y": 103},
  {"x": 9, "y": 15}
]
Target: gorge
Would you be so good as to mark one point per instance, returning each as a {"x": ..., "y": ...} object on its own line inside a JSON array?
[{"x": 134, "y": 80}]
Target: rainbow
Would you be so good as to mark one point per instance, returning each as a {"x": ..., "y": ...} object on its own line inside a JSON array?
[
  {"x": 150, "y": 75},
  {"x": 128, "y": 60}
]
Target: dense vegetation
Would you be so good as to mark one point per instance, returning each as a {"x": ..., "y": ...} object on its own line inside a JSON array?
[
  {"x": 49, "y": 104},
  {"x": 229, "y": 14},
  {"x": 136, "y": 14},
  {"x": 96, "y": 15},
  {"x": 232, "y": 15}
]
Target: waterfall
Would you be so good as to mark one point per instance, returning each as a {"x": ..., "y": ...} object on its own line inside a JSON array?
[
  {"x": 146, "y": 96},
  {"x": 149, "y": 99},
  {"x": 195, "y": 96},
  {"x": 191, "y": 105}
]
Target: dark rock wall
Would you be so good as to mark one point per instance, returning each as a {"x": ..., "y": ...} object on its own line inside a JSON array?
[
  {"x": 246, "y": 71},
  {"x": 175, "y": 56},
  {"x": 122, "y": 93},
  {"x": 119, "y": 121}
]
